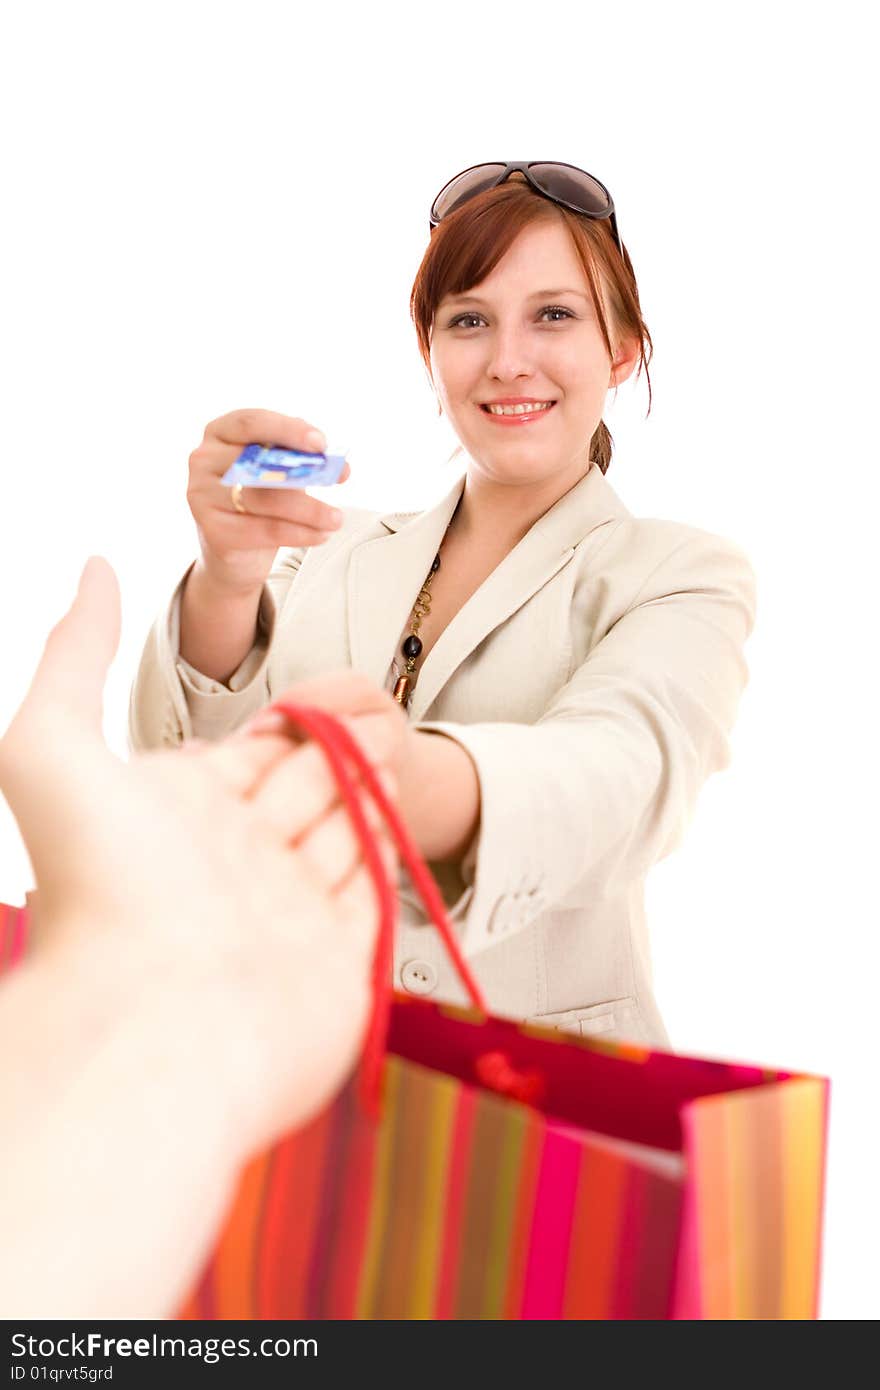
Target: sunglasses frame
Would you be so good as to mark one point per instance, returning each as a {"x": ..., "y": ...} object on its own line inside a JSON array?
[{"x": 525, "y": 170}]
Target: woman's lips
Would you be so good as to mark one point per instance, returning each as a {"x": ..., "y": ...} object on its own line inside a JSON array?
[{"x": 520, "y": 417}]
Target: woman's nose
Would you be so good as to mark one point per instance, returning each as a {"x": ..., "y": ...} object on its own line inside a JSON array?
[{"x": 509, "y": 356}]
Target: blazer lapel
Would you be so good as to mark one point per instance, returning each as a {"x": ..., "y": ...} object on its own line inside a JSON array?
[
  {"x": 387, "y": 572},
  {"x": 545, "y": 549},
  {"x": 384, "y": 577}
]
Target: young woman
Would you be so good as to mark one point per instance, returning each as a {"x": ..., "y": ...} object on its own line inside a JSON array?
[{"x": 570, "y": 672}]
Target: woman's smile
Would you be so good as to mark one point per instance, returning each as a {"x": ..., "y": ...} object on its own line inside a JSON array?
[{"x": 516, "y": 410}]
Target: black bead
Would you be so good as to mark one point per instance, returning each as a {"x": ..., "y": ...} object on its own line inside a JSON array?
[
  {"x": 436, "y": 564},
  {"x": 412, "y": 647}
]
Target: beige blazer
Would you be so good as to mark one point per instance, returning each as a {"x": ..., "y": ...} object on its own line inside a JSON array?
[{"x": 593, "y": 678}]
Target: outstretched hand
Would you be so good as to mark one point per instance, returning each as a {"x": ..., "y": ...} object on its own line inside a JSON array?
[{"x": 230, "y": 870}]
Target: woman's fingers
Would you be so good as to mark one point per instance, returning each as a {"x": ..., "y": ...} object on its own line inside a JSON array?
[
  {"x": 231, "y": 532},
  {"x": 279, "y": 504},
  {"x": 248, "y": 534},
  {"x": 266, "y": 427},
  {"x": 294, "y": 796},
  {"x": 374, "y": 734},
  {"x": 285, "y": 772}
]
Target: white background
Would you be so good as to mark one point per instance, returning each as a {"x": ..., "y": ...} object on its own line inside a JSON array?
[{"x": 214, "y": 205}]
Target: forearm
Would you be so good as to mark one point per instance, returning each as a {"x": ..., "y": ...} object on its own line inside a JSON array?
[
  {"x": 440, "y": 796},
  {"x": 217, "y": 628},
  {"x": 118, "y": 1156}
]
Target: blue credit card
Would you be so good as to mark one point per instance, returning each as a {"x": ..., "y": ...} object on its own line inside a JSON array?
[{"x": 257, "y": 466}]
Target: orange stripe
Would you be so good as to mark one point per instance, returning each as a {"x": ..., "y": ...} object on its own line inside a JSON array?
[
  {"x": 740, "y": 1174},
  {"x": 595, "y": 1232},
  {"x": 762, "y": 1177},
  {"x": 190, "y": 1311},
  {"x": 756, "y": 1155},
  {"x": 232, "y": 1263},
  {"x": 804, "y": 1116},
  {"x": 709, "y": 1169}
]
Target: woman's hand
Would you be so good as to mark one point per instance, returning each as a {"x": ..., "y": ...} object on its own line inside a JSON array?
[
  {"x": 370, "y": 713},
  {"x": 437, "y": 783},
  {"x": 238, "y": 549}
]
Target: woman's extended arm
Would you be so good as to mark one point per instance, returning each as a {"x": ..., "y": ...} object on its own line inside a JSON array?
[
  {"x": 217, "y": 627},
  {"x": 603, "y": 785}
]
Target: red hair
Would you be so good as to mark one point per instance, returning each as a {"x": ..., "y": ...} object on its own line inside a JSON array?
[{"x": 468, "y": 244}]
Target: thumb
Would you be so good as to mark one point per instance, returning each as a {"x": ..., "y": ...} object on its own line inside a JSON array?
[
  {"x": 61, "y": 713},
  {"x": 73, "y": 669}
]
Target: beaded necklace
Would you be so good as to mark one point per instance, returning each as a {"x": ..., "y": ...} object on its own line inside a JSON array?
[{"x": 412, "y": 646}]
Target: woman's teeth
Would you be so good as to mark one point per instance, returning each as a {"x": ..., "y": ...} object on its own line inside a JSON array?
[{"x": 529, "y": 408}]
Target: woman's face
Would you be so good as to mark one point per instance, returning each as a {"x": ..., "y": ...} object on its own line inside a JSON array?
[{"x": 519, "y": 362}]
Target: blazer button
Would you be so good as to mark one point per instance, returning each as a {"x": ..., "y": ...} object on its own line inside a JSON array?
[{"x": 419, "y": 977}]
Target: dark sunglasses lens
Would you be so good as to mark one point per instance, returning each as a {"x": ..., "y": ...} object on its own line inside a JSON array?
[
  {"x": 465, "y": 186},
  {"x": 573, "y": 186}
]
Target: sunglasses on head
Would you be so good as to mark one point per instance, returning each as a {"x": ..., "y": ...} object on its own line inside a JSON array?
[{"x": 564, "y": 184}]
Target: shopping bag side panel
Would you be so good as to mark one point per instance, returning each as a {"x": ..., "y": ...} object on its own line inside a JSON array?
[{"x": 751, "y": 1240}]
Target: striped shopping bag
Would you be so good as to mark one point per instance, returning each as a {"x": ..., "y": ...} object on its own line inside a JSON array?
[{"x": 478, "y": 1168}]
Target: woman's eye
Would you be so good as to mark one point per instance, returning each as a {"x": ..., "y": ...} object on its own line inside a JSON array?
[{"x": 552, "y": 313}]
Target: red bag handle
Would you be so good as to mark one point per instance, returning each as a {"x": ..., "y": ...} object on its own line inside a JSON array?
[{"x": 341, "y": 748}]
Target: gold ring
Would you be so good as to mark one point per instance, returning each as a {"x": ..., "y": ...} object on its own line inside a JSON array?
[{"x": 237, "y": 502}]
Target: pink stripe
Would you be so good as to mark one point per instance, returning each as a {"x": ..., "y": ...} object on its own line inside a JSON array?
[
  {"x": 550, "y": 1240},
  {"x": 19, "y": 934},
  {"x": 687, "y": 1302}
]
